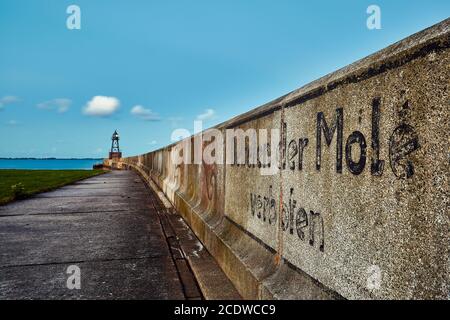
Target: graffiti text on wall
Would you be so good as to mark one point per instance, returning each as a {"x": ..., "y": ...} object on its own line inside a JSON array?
[
  {"x": 305, "y": 224},
  {"x": 403, "y": 141}
]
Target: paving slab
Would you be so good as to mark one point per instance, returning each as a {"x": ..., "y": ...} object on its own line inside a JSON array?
[
  {"x": 104, "y": 225},
  {"x": 149, "y": 278}
]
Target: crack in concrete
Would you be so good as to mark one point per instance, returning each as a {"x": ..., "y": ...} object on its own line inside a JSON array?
[
  {"x": 81, "y": 261},
  {"x": 69, "y": 213}
]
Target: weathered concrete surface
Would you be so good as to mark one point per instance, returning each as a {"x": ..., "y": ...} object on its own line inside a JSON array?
[
  {"x": 184, "y": 244},
  {"x": 359, "y": 207},
  {"x": 112, "y": 234}
]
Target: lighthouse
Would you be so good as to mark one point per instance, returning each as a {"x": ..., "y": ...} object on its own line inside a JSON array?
[{"x": 115, "y": 149}]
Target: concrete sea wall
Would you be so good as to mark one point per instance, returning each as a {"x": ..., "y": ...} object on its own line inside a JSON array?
[{"x": 359, "y": 206}]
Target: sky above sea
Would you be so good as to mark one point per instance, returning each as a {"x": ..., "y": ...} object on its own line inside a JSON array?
[{"x": 146, "y": 68}]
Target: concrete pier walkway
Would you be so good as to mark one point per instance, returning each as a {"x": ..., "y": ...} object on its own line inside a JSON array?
[{"x": 108, "y": 226}]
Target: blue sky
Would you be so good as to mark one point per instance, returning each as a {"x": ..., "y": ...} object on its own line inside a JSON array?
[{"x": 170, "y": 62}]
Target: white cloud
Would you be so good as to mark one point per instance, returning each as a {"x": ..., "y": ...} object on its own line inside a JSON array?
[
  {"x": 145, "y": 114},
  {"x": 153, "y": 142},
  {"x": 101, "y": 106},
  {"x": 61, "y": 105},
  {"x": 12, "y": 123},
  {"x": 8, "y": 100},
  {"x": 209, "y": 114}
]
